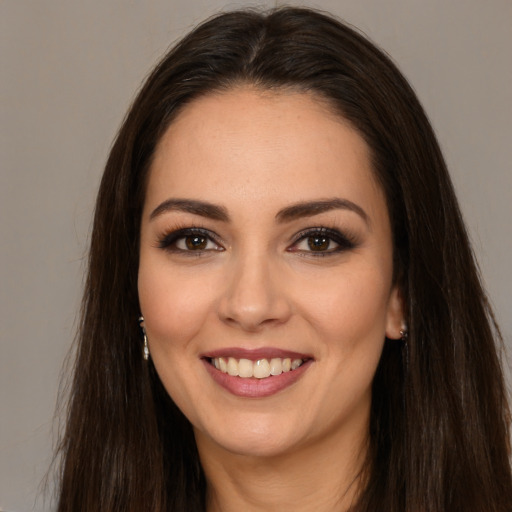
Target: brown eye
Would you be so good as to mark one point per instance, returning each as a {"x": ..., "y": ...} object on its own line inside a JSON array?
[
  {"x": 196, "y": 242},
  {"x": 322, "y": 242},
  {"x": 318, "y": 243},
  {"x": 190, "y": 240}
]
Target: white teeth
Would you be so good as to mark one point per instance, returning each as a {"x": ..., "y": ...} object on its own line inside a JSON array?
[
  {"x": 276, "y": 366},
  {"x": 260, "y": 369},
  {"x": 232, "y": 367},
  {"x": 245, "y": 368},
  {"x": 296, "y": 363}
]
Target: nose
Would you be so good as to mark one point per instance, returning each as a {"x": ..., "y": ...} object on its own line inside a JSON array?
[{"x": 255, "y": 294}]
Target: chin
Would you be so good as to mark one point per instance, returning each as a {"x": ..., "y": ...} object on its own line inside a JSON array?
[{"x": 260, "y": 440}]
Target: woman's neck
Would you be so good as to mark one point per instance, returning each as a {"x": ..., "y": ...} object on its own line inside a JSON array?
[{"x": 324, "y": 476}]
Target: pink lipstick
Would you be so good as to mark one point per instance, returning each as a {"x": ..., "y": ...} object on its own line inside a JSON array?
[{"x": 255, "y": 373}]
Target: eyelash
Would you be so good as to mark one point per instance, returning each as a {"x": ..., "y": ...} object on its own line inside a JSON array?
[
  {"x": 168, "y": 241},
  {"x": 344, "y": 242}
]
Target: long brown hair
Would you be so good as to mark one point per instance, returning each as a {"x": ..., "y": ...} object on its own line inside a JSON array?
[{"x": 439, "y": 425}]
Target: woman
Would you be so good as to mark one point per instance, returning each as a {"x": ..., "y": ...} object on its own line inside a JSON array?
[{"x": 282, "y": 309}]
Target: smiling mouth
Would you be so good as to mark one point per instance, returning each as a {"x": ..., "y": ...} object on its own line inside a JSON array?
[
  {"x": 256, "y": 373},
  {"x": 259, "y": 369}
]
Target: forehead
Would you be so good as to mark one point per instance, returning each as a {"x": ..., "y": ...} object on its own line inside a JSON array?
[{"x": 248, "y": 145}]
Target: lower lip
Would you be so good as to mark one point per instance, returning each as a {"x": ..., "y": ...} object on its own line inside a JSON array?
[{"x": 253, "y": 387}]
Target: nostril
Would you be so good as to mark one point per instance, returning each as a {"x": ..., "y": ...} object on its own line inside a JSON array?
[
  {"x": 253, "y": 324},
  {"x": 254, "y": 297}
]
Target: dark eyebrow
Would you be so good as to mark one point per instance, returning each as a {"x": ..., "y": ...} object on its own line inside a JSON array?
[
  {"x": 295, "y": 211},
  {"x": 201, "y": 208},
  {"x": 310, "y": 208}
]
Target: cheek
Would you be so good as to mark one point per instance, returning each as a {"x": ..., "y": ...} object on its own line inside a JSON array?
[
  {"x": 351, "y": 314},
  {"x": 175, "y": 306},
  {"x": 350, "y": 323}
]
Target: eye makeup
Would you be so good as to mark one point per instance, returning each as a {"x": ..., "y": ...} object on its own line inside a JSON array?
[
  {"x": 318, "y": 241},
  {"x": 192, "y": 239},
  {"x": 322, "y": 241}
]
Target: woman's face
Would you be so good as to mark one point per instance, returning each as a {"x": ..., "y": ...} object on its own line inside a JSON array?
[{"x": 265, "y": 275}]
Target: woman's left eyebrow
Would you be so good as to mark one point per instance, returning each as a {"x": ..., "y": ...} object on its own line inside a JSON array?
[{"x": 310, "y": 208}]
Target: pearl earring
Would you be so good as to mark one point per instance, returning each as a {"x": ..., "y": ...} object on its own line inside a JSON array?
[{"x": 145, "y": 351}]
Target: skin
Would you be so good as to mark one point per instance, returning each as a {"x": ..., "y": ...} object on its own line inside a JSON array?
[{"x": 255, "y": 153}]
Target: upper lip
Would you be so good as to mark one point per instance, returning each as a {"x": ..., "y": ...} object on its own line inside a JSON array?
[{"x": 255, "y": 354}]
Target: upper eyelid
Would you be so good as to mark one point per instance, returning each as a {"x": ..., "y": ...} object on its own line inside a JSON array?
[
  {"x": 332, "y": 232},
  {"x": 345, "y": 240},
  {"x": 175, "y": 234},
  {"x": 185, "y": 230},
  {"x": 335, "y": 234}
]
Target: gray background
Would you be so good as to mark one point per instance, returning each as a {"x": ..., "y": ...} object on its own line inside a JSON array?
[{"x": 69, "y": 70}]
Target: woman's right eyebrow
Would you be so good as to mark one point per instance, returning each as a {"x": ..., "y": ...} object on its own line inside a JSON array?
[{"x": 201, "y": 208}]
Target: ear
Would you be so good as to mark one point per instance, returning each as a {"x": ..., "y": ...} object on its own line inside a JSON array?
[{"x": 395, "y": 318}]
